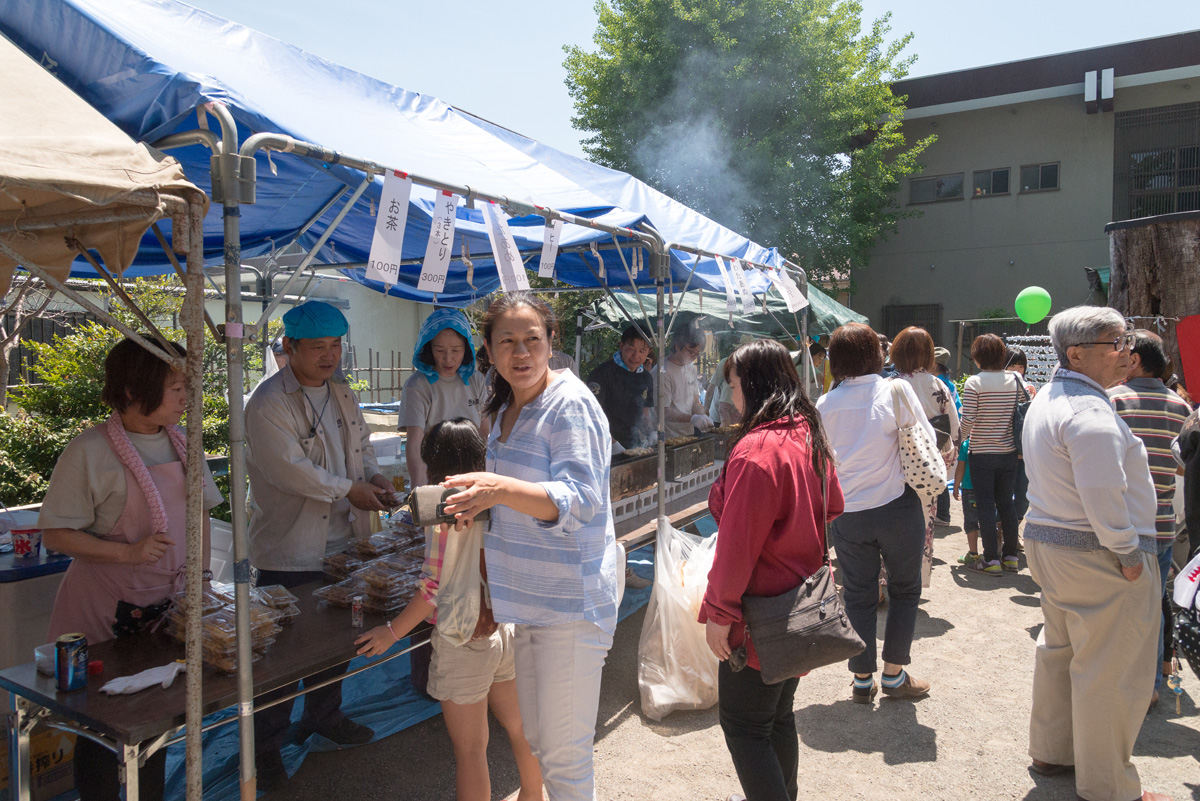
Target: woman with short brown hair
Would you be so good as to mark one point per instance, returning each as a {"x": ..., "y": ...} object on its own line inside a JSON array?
[
  {"x": 989, "y": 400},
  {"x": 884, "y": 523},
  {"x": 912, "y": 355}
]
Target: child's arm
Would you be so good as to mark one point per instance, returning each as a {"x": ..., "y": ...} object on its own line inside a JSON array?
[
  {"x": 376, "y": 641},
  {"x": 959, "y": 472}
]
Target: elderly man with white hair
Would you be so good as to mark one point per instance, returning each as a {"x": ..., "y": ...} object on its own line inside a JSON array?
[{"x": 1090, "y": 539}]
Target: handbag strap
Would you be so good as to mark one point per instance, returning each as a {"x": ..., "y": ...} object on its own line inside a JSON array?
[
  {"x": 899, "y": 398},
  {"x": 1021, "y": 386}
]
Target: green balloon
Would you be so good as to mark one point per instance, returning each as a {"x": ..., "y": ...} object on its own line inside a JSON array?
[{"x": 1033, "y": 304}]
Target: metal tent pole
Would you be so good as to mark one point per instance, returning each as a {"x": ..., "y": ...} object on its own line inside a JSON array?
[
  {"x": 192, "y": 317},
  {"x": 226, "y": 188}
]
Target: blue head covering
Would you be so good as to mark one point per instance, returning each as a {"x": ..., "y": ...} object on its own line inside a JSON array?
[
  {"x": 313, "y": 320},
  {"x": 439, "y": 321}
]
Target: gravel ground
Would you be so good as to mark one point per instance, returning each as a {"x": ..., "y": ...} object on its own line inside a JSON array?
[{"x": 968, "y": 739}]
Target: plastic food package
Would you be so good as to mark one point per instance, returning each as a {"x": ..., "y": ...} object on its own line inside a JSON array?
[
  {"x": 404, "y": 563},
  {"x": 342, "y": 593},
  {"x": 676, "y": 668},
  {"x": 210, "y": 601},
  {"x": 288, "y": 614},
  {"x": 340, "y": 565},
  {"x": 275, "y": 595},
  {"x": 376, "y": 545}
]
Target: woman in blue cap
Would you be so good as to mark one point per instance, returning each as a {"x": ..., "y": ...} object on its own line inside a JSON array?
[{"x": 445, "y": 386}]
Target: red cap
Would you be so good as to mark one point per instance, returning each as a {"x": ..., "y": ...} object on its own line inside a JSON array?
[{"x": 95, "y": 667}]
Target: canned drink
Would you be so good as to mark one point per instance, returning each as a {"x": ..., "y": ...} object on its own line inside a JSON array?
[
  {"x": 71, "y": 662},
  {"x": 356, "y": 612}
]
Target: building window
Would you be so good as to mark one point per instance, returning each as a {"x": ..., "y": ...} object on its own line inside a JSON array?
[
  {"x": 1164, "y": 181},
  {"x": 991, "y": 182},
  {"x": 925, "y": 315},
  {"x": 1156, "y": 161},
  {"x": 1039, "y": 177},
  {"x": 938, "y": 187}
]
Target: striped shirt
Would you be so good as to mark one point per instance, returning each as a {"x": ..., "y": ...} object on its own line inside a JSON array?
[
  {"x": 540, "y": 573},
  {"x": 1155, "y": 415},
  {"x": 989, "y": 399}
]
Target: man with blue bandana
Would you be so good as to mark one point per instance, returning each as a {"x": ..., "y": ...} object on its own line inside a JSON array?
[{"x": 314, "y": 483}]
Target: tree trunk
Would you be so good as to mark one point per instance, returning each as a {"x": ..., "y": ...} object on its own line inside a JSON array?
[{"x": 1156, "y": 271}]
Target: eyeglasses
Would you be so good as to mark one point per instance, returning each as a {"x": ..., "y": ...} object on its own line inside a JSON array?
[{"x": 1123, "y": 342}]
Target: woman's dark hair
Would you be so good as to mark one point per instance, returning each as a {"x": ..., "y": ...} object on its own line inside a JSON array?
[
  {"x": 816, "y": 349},
  {"x": 772, "y": 390},
  {"x": 135, "y": 376},
  {"x": 1149, "y": 346},
  {"x": 854, "y": 350},
  {"x": 1015, "y": 357},
  {"x": 989, "y": 352},
  {"x": 426, "y": 354},
  {"x": 507, "y": 302},
  {"x": 912, "y": 350},
  {"x": 452, "y": 447},
  {"x": 483, "y": 362}
]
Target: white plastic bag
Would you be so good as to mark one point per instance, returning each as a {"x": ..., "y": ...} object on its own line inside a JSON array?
[
  {"x": 458, "y": 598},
  {"x": 676, "y": 668}
]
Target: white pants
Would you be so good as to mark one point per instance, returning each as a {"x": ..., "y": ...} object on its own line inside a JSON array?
[{"x": 558, "y": 687}]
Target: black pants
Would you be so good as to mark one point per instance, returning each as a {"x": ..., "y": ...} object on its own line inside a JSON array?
[
  {"x": 994, "y": 477},
  {"x": 322, "y": 708},
  {"x": 96, "y": 773},
  {"x": 760, "y": 732},
  {"x": 943, "y": 505},
  {"x": 894, "y": 534}
]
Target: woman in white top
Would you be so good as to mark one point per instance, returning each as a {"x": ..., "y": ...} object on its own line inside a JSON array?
[
  {"x": 912, "y": 355},
  {"x": 445, "y": 386},
  {"x": 884, "y": 521}
]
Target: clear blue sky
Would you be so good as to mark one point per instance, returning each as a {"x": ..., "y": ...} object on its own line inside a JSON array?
[{"x": 404, "y": 44}]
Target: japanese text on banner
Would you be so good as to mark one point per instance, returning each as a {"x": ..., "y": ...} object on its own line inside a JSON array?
[
  {"x": 504, "y": 249},
  {"x": 739, "y": 275},
  {"x": 550, "y": 239},
  {"x": 383, "y": 263},
  {"x": 792, "y": 295},
  {"x": 730, "y": 293},
  {"x": 441, "y": 243}
]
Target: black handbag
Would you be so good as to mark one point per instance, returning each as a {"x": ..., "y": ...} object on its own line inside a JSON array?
[
  {"x": 1018, "y": 417},
  {"x": 805, "y": 627},
  {"x": 941, "y": 427}
]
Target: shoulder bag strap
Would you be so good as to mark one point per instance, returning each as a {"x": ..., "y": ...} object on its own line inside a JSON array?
[{"x": 898, "y": 399}]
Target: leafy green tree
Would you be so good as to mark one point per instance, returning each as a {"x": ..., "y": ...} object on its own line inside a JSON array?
[
  {"x": 64, "y": 397},
  {"x": 773, "y": 117}
]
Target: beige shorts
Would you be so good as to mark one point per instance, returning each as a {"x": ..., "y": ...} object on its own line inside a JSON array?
[{"x": 463, "y": 674}]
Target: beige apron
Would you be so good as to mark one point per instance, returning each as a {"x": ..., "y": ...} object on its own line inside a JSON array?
[{"x": 87, "y": 598}]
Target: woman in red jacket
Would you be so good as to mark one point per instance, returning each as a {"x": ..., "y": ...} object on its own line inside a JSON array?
[{"x": 771, "y": 535}]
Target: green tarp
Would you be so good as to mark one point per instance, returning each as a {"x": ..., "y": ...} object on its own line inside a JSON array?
[{"x": 824, "y": 313}]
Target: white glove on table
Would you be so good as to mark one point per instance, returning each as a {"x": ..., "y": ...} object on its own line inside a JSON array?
[
  {"x": 163, "y": 676},
  {"x": 702, "y": 421}
]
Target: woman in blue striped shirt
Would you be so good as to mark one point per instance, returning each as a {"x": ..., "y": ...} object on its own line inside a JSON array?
[{"x": 550, "y": 549}]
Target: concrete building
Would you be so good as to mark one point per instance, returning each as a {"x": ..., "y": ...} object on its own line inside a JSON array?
[{"x": 1032, "y": 159}]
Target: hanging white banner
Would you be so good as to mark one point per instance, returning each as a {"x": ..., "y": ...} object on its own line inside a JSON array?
[
  {"x": 730, "y": 293},
  {"x": 504, "y": 249},
  {"x": 383, "y": 263},
  {"x": 441, "y": 244},
  {"x": 739, "y": 275},
  {"x": 550, "y": 239},
  {"x": 792, "y": 295}
]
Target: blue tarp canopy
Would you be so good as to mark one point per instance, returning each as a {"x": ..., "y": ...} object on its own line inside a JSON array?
[{"x": 148, "y": 64}]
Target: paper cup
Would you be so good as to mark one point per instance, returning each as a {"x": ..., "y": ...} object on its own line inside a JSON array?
[{"x": 27, "y": 542}]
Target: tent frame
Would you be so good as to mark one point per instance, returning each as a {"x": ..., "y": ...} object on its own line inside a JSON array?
[{"x": 234, "y": 176}]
